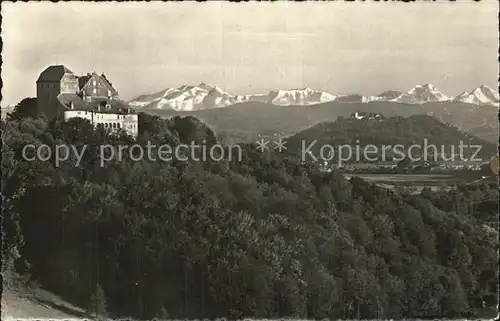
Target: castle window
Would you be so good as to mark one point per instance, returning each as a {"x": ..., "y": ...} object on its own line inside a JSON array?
[
  {"x": 118, "y": 125},
  {"x": 114, "y": 125}
]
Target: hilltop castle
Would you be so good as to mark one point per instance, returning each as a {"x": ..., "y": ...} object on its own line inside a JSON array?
[{"x": 59, "y": 92}]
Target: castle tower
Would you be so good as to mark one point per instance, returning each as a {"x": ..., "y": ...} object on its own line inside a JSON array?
[{"x": 52, "y": 82}]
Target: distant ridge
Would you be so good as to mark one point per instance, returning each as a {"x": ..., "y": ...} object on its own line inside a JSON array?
[
  {"x": 391, "y": 131},
  {"x": 390, "y": 94}
]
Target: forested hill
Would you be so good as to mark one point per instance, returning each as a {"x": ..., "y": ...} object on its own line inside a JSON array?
[
  {"x": 265, "y": 237},
  {"x": 390, "y": 132}
]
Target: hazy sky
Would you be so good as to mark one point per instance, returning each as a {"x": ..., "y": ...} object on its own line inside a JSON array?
[{"x": 254, "y": 47}]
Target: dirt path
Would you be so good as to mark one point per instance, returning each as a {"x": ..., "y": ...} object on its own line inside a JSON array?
[{"x": 17, "y": 304}]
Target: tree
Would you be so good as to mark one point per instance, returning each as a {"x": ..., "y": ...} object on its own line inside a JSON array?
[
  {"x": 25, "y": 108},
  {"x": 162, "y": 314},
  {"x": 455, "y": 301},
  {"x": 12, "y": 191},
  {"x": 98, "y": 306}
]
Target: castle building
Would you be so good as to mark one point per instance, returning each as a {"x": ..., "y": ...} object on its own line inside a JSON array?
[
  {"x": 60, "y": 93},
  {"x": 362, "y": 115}
]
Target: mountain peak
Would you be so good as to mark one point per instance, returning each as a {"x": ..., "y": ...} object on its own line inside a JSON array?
[
  {"x": 484, "y": 87},
  {"x": 303, "y": 96},
  {"x": 482, "y": 95},
  {"x": 421, "y": 94},
  {"x": 216, "y": 90},
  {"x": 204, "y": 86}
]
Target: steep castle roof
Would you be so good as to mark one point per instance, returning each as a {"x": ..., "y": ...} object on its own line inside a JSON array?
[
  {"x": 103, "y": 76},
  {"x": 53, "y": 73},
  {"x": 67, "y": 99},
  {"x": 83, "y": 80}
]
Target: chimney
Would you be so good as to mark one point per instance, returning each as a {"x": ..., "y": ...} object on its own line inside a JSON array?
[{"x": 71, "y": 105}]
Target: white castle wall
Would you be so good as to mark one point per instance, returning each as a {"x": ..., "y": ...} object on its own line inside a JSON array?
[
  {"x": 111, "y": 122},
  {"x": 78, "y": 113}
]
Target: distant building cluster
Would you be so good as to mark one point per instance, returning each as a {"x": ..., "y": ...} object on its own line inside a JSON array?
[
  {"x": 60, "y": 92},
  {"x": 365, "y": 115}
]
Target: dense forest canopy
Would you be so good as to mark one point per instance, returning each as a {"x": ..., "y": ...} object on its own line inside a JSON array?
[{"x": 264, "y": 237}]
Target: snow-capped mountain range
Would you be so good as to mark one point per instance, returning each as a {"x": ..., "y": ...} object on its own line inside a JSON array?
[{"x": 203, "y": 96}]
